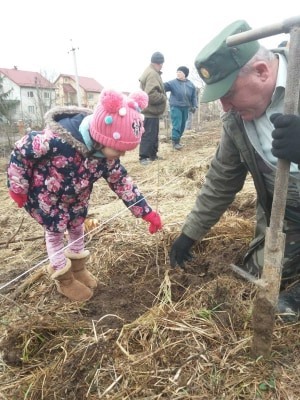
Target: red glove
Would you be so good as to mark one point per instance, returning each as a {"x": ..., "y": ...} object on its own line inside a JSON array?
[
  {"x": 19, "y": 198},
  {"x": 155, "y": 222}
]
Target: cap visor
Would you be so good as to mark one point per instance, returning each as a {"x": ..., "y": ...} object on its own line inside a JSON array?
[{"x": 215, "y": 91}]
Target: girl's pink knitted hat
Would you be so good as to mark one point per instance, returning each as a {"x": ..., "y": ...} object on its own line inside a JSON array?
[{"x": 117, "y": 121}]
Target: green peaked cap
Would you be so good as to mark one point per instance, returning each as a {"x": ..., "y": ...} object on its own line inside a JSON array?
[{"x": 218, "y": 64}]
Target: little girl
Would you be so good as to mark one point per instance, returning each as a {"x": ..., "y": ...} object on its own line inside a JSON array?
[{"x": 51, "y": 174}]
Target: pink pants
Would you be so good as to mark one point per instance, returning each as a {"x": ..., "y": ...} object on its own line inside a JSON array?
[{"x": 55, "y": 245}]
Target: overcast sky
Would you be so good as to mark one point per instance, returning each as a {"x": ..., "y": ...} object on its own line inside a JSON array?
[{"x": 114, "y": 39}]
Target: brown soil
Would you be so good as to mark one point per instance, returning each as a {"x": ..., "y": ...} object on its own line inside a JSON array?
[
  {"x": 129, "y": 287},
  {"x": 137, "y": 334}
]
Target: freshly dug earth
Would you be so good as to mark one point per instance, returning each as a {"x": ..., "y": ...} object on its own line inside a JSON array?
[{"x": 149, "y": 331}]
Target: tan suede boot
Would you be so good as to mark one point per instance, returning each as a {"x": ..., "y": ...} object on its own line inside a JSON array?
[
  {"x": 67, "y": 285},
  {"x": 79, "y": 270}
]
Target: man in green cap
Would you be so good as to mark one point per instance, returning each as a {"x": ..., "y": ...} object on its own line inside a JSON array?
[{"x": 249, "y": 81}]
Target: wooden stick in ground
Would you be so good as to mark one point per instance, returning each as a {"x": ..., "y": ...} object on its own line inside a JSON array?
[{"x": 266, "y": 300}]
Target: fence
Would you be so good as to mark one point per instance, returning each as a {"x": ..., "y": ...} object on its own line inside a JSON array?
[{"x": 204, "y": 113}]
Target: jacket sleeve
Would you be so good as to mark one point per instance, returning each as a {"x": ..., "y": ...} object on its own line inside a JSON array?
[
  {"x": 167, "y": 87},
  {"x": 225, "y": 178},
  {"x": 25, "y": 153},
  {"x": 122, "y": 184},
  {"x": 153, "y": 89}
]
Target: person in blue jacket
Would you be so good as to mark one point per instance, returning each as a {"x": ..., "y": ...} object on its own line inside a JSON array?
[{"x": 182, "y": 99}]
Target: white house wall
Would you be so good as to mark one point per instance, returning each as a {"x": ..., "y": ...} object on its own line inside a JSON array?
[{"x": 22, "y": 111}]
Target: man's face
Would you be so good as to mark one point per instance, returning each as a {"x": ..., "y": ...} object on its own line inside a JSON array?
[
  {"x": 158, "y": 67},
  {"x": 249, "y": 96}
]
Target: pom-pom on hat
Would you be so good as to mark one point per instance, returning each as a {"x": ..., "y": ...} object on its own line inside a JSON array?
[
  {"x": 185, "y": 70},
  {"x": 117, "y": 121}
]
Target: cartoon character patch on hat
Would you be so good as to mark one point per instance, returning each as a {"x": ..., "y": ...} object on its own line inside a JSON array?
[{"x": 117, "y": 121}]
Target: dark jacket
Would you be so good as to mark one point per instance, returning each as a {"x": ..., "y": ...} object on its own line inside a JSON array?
[
  {"x": 152, "y": 84},
  {"x": 183, "y": 93},
  {"x": 234, "y": 158}
]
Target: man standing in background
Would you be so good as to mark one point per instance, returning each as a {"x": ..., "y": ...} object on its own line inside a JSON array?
[{"x": 152, "y": 84}]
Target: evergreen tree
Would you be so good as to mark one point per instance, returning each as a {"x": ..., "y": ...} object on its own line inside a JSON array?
[{"x": 4, "y": 103}]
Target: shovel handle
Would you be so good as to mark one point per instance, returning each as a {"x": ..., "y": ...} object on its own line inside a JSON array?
[
  {"x": 266, "y": 31},
  {"x": 265, "y": 304},
  {"x": 291, "y": 99}
]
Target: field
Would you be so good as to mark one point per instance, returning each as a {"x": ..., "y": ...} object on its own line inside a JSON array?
[{"x": 150, "y": 332}]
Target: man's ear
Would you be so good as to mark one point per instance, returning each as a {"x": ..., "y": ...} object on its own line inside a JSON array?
[{"x": 262, "y": 69}]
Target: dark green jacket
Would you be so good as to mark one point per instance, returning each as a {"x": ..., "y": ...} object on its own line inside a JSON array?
[
  {"x": 234, "y": 158},
  {"x": 152, "y": 84}
]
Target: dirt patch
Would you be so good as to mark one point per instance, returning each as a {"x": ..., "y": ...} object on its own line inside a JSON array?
[{"x": 149, "y": 331}]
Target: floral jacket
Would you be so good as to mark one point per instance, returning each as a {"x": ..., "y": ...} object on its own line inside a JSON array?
[{"x": 55, "y": 169}]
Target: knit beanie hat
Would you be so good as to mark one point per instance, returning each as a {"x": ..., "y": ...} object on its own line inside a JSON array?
[
  {"x": 157, "y": 58},
  {"x": 185, "y": 70},
  {"x": 117, "y": 121}
]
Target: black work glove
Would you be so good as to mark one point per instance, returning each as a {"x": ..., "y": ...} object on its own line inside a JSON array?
[
  {"x": 180, "y": 250},
  {"x": 193, "y": 109},
  {"x": 286, "y": 137}
]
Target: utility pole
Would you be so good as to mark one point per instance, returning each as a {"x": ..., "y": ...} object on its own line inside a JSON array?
[{"x": 76, "y": 74}]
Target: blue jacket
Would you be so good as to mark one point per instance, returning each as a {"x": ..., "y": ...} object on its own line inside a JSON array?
[{"x": 183, "y": 93}]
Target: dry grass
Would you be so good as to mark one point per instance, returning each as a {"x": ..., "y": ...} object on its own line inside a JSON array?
[{"x": 149, "y": 332}]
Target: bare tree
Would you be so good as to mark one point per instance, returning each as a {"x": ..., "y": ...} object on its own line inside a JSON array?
[
  {"x": 5, "y": 105},
  {"x": 206, "y": 111},
  {"x": 43, "y": 99}
]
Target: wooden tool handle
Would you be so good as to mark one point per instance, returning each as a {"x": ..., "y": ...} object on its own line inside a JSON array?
[{"x": 266, "y": 31}]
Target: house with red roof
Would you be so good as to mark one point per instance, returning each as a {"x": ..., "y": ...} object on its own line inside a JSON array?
[
  {"x": 66, "y": 91},
  {"x": 31, "y": 95}
]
